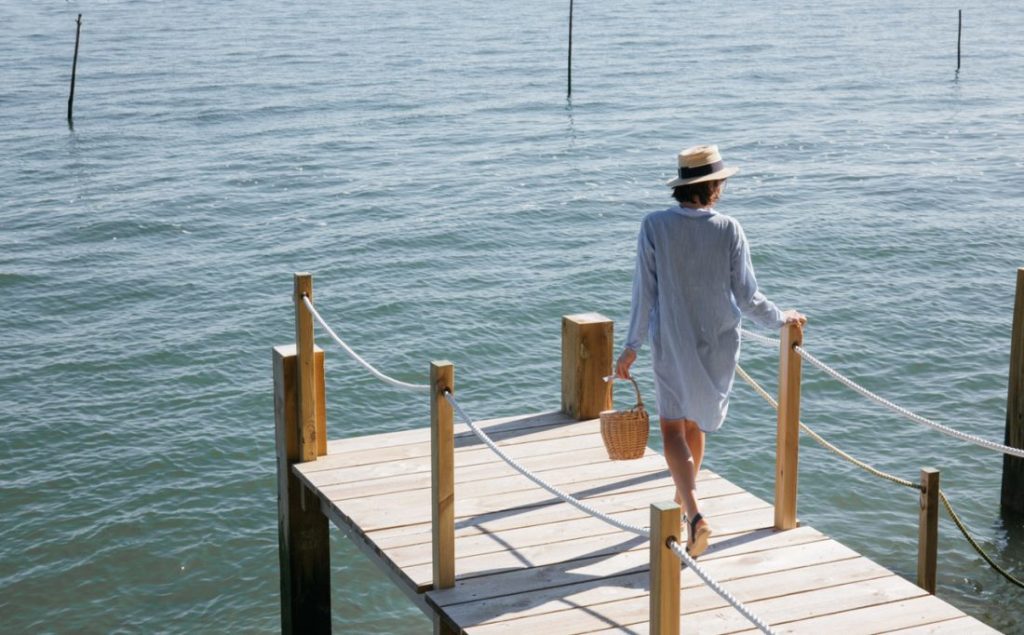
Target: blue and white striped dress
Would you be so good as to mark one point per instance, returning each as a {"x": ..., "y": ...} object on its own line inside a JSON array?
[{"x": 693, "y": 282}]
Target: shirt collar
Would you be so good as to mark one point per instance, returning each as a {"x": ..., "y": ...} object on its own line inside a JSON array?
[{"x": 695, "y": 213}]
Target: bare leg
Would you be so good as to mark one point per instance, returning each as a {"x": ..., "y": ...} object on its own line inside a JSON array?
[
  {"x": 684, "y": 448},
  {"x": 680, "y": 462},
  {"x": 695, "y": 439}
]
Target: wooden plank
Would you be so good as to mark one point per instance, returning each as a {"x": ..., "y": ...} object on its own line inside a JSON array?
[
  {"x": 393, "y": 476},
  {"x": 559, "y": 470},
  {"x": 965, "y": 625},
  {"x": 442, "y": 470},
  {"x": 587, "y": 344},
  {"x": 516, "y": 556},
  {"x": 626, "y": 507},
  {"x": 504, "y": 428},
  {"x": 623, "y": 600},
  {"x": 303, "y": 541},
  {"x": 791, "y": 609},
  {"x": 664, "y": 569},
  {"x": 787, "y": 443},
  {"x": 584, "y": 430},
  {"x": 517, "y": 489},
  {"x": 636, "y": 560},
  {"x": 556, "y": 531},
  {"x": 918, "y": 611},
  {"x": 527, "y": 547},
  {"x": 610, "y": 495}
]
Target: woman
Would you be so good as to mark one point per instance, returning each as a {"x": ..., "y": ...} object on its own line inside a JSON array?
[{"x": 693, "y": 282}]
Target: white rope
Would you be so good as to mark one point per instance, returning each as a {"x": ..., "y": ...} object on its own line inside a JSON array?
[
  {"x": 757, "y": 337},
  {"x": 354, "y": 355},
  {"x": 580, "y": 505},
  {"x": 719, "y": 589},
  {"x": 900, "y": 410}
]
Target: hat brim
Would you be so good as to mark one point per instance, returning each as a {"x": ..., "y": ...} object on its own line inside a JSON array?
[{"x": 724, "y": 173}]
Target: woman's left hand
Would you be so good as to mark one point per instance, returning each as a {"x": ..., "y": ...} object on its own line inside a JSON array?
[{"x": 626, "y": 359}]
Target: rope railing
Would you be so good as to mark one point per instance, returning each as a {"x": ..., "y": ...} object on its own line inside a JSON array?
[
  {"x": 886, "y": 476},
  {"x": 764, "y": 339},
  {"x": 900, "y": 410},
  {"x": 588, "y": 509},
  {"x": 719, "y": 589},
  {"x": 551, "y": 489},
  {"x": 354, "y": 355}
]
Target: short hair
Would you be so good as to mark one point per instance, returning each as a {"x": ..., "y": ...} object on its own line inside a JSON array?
[{"x": 703, "y": 193}]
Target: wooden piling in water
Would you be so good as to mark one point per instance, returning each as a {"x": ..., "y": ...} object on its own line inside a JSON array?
[
  {"x": 928, "y": 530},
  {"x": 74, "y": 67},
  {"x": 587, "y": 342},
  {"x": 302, "y": 528},
  {"x": 568, "y": 92},
  {"x": 1012, "y": 498},
  {"x": 665, "y": 570},
  {"x": 959, "y": 31},
  {"x": 301, "y": 435},
  {"x": 442, "y": 470},
  {"x": 787, "y": 443}
]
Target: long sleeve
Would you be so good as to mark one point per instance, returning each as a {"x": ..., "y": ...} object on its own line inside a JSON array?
[
  {"x": 748, "y": 298},
  {"x": 645, "y": 291}
]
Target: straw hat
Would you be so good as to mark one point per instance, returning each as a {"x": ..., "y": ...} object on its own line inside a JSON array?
[{"x": 699, "y": 164}]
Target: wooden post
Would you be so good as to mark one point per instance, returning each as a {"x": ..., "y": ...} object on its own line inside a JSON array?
[
  {"x": 586, "y": 359},
  {"x": 1012, "y": 499},
  {"x": 74, "y": 67},
  {"x": 928, "y": 530},
  {"x": 442, "y": 469},
  {"x": 787, "y": 444},
  {"x": 664, "y": 618},
  {"x": 959, "y": 30},
  {"x": 442, "y": 627},
  {"x": 569, "y": 76},
  {"x": 302, "y": 536},
  {"x": 309, "y": 446}
]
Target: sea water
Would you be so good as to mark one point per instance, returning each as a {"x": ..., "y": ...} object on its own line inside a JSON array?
[{"x": 423, "y": 161}]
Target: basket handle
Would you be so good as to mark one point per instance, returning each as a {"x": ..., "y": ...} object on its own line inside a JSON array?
[{"x": 639, "y": 400}]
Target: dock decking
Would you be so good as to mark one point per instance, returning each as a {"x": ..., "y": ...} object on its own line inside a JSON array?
[{"x": 526, "y": 562}]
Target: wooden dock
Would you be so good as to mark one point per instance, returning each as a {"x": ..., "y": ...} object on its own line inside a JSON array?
[{"x": 525, "y": 561}]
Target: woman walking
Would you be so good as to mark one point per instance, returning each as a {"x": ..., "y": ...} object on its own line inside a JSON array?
[{"x": 693, "y": 282}]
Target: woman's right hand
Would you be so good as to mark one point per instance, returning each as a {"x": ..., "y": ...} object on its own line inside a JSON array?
[
  {"x": 626, "y": 359},
  {"x": 792, "y": 316}
]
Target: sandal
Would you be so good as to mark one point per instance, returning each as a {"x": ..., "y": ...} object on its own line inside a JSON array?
[{"x": 697, "y": 539}]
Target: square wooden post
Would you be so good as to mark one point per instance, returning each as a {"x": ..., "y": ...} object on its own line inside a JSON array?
[
  {"x": 310, "y": 444},
  {"x": 302, "y": 531},
  {"x": 787, "y": 444},
  {"x": 1012, "y": 495},
  {"x": 928, "y": 530},
  {"x": 442, "y": 470},
  {"x": 665, "y": 570},
  {"x": 587, "y": 344}
]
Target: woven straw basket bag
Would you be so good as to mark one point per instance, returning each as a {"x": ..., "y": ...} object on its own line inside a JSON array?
[{"x": 625, "y": 431}]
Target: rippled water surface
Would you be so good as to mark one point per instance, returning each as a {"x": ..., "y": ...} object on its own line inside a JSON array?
[{"x": 423, "y": 161}]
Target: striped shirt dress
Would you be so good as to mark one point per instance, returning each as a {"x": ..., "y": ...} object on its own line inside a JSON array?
[{"x": 693, "y": 284}]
